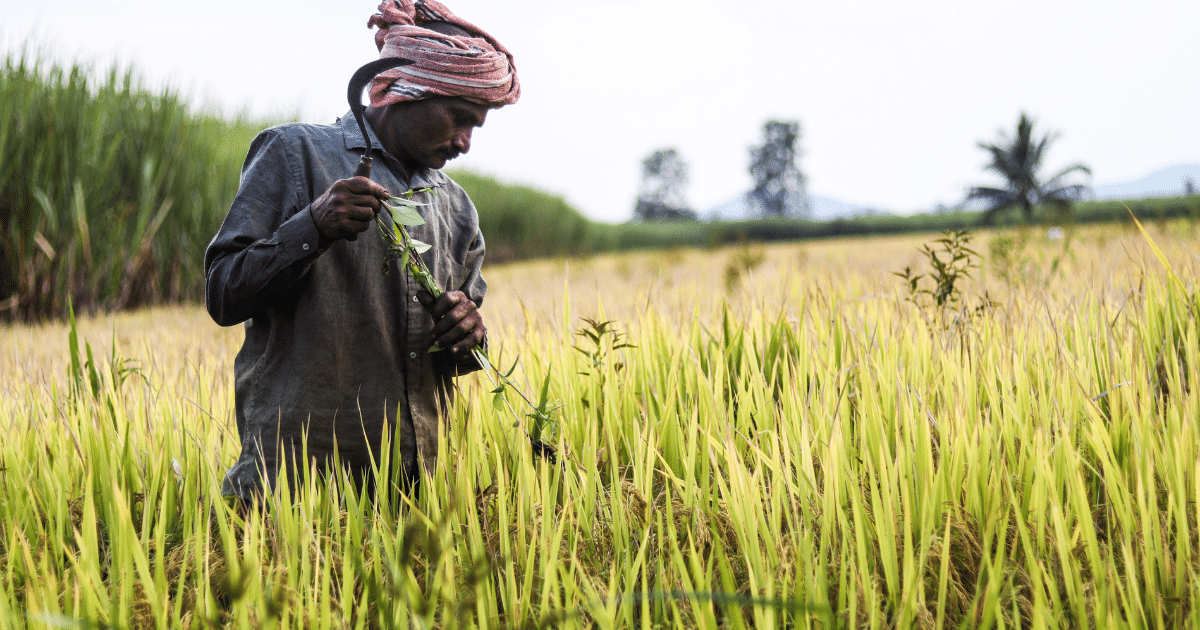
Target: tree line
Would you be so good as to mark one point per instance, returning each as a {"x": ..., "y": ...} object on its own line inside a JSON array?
[{"x": 779, "y": 189}]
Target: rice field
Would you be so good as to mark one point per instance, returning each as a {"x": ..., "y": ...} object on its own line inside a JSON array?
[{"x": 791, "y": 441}]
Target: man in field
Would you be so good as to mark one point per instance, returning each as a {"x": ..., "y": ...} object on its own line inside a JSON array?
[{"x": 336, "y": 353}]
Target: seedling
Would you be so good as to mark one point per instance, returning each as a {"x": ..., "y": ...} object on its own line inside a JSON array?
[
  {"x": 605, "y": 339},
  {"x": 945, "y": 272}
]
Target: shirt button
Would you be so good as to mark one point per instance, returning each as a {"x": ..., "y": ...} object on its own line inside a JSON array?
[
  {"x": 412, "y": 355},
  {"x": 306, "y": 247},
  {"x": 415, "y": 298}
]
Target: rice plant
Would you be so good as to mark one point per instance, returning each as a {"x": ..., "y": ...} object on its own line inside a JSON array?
[{"x": 803, "y": 452}]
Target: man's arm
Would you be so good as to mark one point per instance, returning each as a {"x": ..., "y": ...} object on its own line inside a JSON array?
[{"x": 267, "y": 242}]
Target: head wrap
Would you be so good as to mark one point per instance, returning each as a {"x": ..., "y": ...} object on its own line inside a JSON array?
[{"x": 477, "y": 67}]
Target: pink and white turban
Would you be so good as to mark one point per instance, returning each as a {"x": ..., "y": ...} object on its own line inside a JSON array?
[{"x": 478, "y": 68}]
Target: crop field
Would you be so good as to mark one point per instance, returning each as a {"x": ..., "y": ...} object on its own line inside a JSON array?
[{"x": 784, "y": 436}]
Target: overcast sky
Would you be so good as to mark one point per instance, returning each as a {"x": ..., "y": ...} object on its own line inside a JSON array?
[{"x": 892, "y": 96}]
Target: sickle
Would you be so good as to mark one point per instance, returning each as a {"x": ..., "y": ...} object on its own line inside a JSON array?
[{"x": 354, "y": 91}]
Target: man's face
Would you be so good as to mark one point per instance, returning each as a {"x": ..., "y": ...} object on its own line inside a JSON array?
[{"x": 430, "y": 132}]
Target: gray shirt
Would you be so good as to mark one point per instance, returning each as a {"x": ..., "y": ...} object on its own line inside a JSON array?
[{"x": 335, "y": 351}]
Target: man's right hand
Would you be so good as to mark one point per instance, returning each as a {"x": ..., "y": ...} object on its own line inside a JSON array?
[{"x": 346, "y": 209}]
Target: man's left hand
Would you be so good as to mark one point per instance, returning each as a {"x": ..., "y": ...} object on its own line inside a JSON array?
[{"x": 457, "y": 324}]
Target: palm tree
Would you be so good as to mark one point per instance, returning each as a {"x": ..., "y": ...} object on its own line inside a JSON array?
[{"x": 1018, "y": 160}]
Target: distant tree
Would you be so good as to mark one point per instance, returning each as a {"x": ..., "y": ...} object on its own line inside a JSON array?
[
  {"x": 1018, "y": 159},
  {"x": 1189, "y": 186},
  {"x": 778, "y": 183},
  {"x": 663, "y": 194}
]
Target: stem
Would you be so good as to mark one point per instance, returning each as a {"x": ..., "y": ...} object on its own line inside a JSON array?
[{"x": 401, "y": 245}]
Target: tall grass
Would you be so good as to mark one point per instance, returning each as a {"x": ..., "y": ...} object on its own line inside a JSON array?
[
  {"x": 806, "y": 449},
  {"x": 108, "y": 193}
]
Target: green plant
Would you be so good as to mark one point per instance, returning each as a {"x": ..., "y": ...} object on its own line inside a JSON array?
[
  {"x": 949, "y": 265},
  {"x": 401, "y": 245},
  {"x": 604, "y": 339}
]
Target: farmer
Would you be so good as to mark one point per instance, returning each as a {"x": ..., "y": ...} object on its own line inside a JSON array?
[{"x": 336, "y": 353}]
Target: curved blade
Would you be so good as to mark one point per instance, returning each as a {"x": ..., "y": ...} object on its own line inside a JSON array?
[{"x": 358, "y": 82}]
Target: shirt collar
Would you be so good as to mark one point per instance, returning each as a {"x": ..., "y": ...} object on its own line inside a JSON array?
[{"x": 421, "y": 177}]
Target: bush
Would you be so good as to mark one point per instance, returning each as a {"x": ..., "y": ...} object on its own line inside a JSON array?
[{"x": 521, "y": 222}]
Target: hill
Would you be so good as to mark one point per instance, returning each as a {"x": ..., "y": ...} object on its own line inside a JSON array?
[{"x": 1166, "y": 182}]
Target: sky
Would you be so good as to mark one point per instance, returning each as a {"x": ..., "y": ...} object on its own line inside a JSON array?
[{"x": 893, "y": 96}]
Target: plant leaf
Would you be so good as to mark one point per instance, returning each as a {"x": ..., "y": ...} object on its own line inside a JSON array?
[
  {"x": 545, "y": 391},
  {"x": 406, "y": 215},
  {"x": 404, "y": 258},
  {"x": 483, "y": 360},
  {"x": 418, "y": 246}
]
